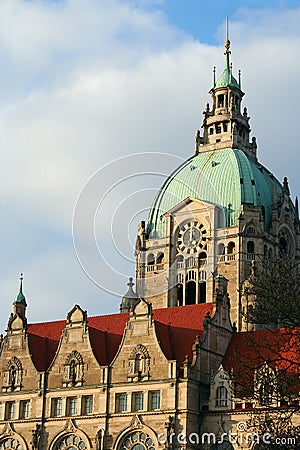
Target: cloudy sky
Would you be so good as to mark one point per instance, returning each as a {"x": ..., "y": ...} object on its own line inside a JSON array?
[{"x": 84, "y": 84}]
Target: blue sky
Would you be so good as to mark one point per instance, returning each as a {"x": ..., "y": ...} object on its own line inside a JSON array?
[
  {"x": 202, "y": 21},
  {"x": 87, "y": 82}
]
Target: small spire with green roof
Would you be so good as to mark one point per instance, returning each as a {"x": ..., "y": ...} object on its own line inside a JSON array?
[
  {"x": 20, "y": 300},
  {"x": 227, "y": 79}
]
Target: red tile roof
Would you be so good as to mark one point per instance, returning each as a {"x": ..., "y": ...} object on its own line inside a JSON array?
[
  {"x": 176, "y": 330},
  {"x": 248, "y": 351}
]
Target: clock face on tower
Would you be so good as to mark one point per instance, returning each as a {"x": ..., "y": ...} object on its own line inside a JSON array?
[{"x": 192, "y": 237}]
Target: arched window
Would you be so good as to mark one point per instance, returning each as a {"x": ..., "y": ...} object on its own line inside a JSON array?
[
  {"x": 180, "y": 294},
  {"x": 220, "y": 100},
  {"x": 251, "y": 230},
  {"x": 221, "y": 396},
  {"x": 284, "y": 246},
  {"x": 11, "y": 443},
  {"x": 150, "y": 259},
  {"x": 231, "y": 248},
  {"x": 191, "y": 275},
  {"x": 203, "y": 292},
  {"x": 250, "y": 247},
  {"x": 72, "y": 442},
  {"x": 138, "y": 440},
  {"x": 190, "y": 293},
  {"x": 202, "y": 258},
  {"x": 160, "y": 258}
]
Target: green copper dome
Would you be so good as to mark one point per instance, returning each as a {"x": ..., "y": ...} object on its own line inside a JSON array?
[
  {"x": 227, "y": 79},
  {"x": 226, "y": 177}
]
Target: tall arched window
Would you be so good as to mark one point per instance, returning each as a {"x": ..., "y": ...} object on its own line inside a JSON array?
[
  {"x": 221, "y": 396},
  {"x": 203, "y": 292},
  {"x": 202, "y": 259},
  {"x": 250, "y": 247},
  {"x": 190, "y": 293},
  {"x": 180, "y": 294}
]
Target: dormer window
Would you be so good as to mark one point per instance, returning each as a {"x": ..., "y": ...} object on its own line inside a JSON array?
[{"x": 221, "y": 396}]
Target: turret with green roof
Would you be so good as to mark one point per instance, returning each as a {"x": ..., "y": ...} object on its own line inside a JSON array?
[{"x": 20, "y": 301}]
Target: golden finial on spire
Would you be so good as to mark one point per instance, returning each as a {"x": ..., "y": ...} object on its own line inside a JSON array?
[{"x": 227, "y": 42}]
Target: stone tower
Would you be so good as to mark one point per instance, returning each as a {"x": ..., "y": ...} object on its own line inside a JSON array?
[{"x": 216, "y": 214}]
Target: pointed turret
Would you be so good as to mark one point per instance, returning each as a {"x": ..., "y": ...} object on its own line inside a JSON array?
[
  {"x": 224, "y": 125},
  {"x": 227, "y": 79},
  {"x": 20, "y": 301},
  {"x": 130, "y": 299}
]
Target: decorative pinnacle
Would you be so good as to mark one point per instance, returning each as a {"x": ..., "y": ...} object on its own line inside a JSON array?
[
  {"x": 130, "y": 284},
  {"x": 21, "y": 283},
  {"x": 20, "y": 297}
]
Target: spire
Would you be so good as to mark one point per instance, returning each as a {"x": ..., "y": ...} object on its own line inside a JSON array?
[
  {"x": 20, "y": 301},
  {"x": 227, "y": 79},
  {"x": 20, "y": 298},
  {"x": 286, "y": 189}
]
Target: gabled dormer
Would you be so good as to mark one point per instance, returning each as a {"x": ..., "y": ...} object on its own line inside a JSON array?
[{"x": 224, "y": 125}]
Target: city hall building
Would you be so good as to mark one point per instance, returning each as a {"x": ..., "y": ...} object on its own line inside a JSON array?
[{"x": 166, "y": 371}]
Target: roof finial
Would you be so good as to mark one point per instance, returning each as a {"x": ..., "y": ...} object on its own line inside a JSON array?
[
  {"x": 227, "y": 42},
  {"x": 214, "y": 76},
  {"x": 21, "y": 283}
]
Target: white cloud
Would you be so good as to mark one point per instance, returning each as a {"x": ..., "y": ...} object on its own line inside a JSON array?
[{"x": 85, "y": 82}]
